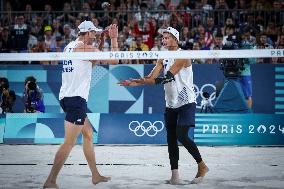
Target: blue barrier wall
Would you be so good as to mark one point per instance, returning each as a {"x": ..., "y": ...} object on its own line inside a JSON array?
[
  {"x": 2, "y": 127},
  {"x": 47, "y": 128},
  {"x": 107, "y": 97},
  {"x": 211, "y": 129}
]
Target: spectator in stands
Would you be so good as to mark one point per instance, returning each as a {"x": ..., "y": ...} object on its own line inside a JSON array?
[
  {"x": 132, "y": 5},
  {"x": 67, "y": 17},
  {"x": 86, "y": 14},
  {"x": 147, "y": 33},
  {"x": 142, "y": 15},
  {"x": 76, "y": 5},
  {"x": 20, "y": 34},
  {"x": 33, "y": 96},
  {"x": 57, "y": 28},
  {"x": 129, "y": 37},
  {"x": 185, "y": 39},
  {"x": 29, "y": 14},
  {"x": 123, "y": 16},
  {"x": 220, "y": 14},
  {"x": 49, "y": 39},
  {"x": 5, "y": 41},
  {"x": 7, "y": 96},
  {"x": 58, "y": 45},
  {"x": 228, "y": 30},
  {"x": 138, "y": 45},
  {"x": 161, "y": 15},
  {"x": 217, "y": 41},
  {"x": 264, "y": 41},
  {"x": 280, "y": 39},
  {"x": 271, "y": 31},
  {"x": 47, "y": 15},
  {"x": 184, "y": 15},
  {"x": 37, "y": 26},
  {"x": 158, "y": 46},
  {"x": 204, "y": 37},
  {"x": 32, "y": 41},
  {"x": 68, "y": 35},
  {"x": 210, "y": 26},
  {"x": 197, "y": 46},
  {"x": 40, "y": 47}
]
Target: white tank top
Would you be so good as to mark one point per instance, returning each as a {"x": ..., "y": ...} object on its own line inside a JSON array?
[
  {"x": 76, "y": 75},
  {"x": 180, "y": 91}
]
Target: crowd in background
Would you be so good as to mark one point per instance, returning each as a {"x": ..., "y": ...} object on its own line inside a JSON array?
[{"x": 203, "y": 25}]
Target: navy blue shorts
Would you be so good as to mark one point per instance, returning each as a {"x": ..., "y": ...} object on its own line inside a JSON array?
[
  {"x": 182, "y": 116},
  {"x": 246, "y": 85},
  {"x": 75, "y": 109}
]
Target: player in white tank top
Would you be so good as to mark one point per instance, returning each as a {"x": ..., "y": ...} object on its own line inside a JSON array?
[
  {"x": 76, "y": 75},
  {"x": 180, "y": 91},
  {"x": 76, "y": 78},
  {"x": 180, "y": 103}
]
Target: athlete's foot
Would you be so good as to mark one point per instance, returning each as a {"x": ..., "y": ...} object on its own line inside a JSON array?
[
  {"x": 97, "y": 179},
  {"x": 174, "y": 181},
  {"x": 175, "y": 178},
  {"x": 202, "y": 170},
  {"x": 50, "y": 185}
]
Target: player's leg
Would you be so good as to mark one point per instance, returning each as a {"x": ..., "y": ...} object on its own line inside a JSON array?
[
  {"x": 249, "y": 91},
  {"x": 186, "y": 119},
  {"x": 246, "y": 84},
  {"x": 74, "y": 120},
  {"x": 71, "y": 133},
  {"x": 88, "y": 148},
  {"x": 173, "y": 150}
]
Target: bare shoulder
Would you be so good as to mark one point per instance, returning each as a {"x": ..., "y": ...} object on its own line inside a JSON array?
[{"x": 184, "y": 62}]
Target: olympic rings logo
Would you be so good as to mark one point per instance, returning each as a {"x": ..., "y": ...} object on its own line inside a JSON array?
[
  {"x": 146, "y": 127},
  {"x": 199, "y": 92}
]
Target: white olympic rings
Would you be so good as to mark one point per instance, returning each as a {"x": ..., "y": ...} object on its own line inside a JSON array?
[
  {"x": 200, "y": 93},
  {"x": 140, "y": 129}
]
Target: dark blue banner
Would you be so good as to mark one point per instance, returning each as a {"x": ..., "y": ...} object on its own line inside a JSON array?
[
  {"x": 132, "y": 129},
  {"x": 211, "y": 129}
]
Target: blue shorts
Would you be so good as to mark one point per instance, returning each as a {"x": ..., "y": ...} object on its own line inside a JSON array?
[
  {"x": 246, "y": 84},
  {"x": 182, "y": 116},
  {"x": 75, "y": 109}
]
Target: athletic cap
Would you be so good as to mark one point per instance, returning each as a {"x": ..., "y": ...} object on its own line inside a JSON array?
[
  {"x": 47, "y": 28},
  {"x": 88, "y": 26},
  {"x": 170, "y": 30}
]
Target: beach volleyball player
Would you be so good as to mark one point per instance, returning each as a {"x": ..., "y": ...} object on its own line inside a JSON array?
[
  {"x": 73, "y": 96},
  {"x": 180, "y": 103}
]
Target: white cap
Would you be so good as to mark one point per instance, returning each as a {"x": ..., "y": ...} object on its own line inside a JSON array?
[
  {"x": 88, "y": 26},
  {"x": 170, "y": 30}
]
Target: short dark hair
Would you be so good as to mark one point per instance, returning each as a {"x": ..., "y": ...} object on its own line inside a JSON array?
[
  {"x": 4, "y": 80},
  {"x": 31, "y": 79}
]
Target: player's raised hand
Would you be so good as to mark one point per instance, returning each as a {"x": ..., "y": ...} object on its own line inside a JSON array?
[{"x": 113, "y": 31}]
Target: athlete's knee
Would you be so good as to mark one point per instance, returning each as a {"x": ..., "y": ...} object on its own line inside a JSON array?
[
  {"x": 69, "y": 143},
  {"x": 171, "y": 136},
  {"x": 87, "y": 135},
  {"x": 182, "y": 134}
]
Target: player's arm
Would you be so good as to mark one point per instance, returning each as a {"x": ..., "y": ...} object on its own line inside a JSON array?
[
  {"x": 87, "y": 48},
  {"x": 148, "y": 80},
  {"x": 175, "y": 68},
  {"x": 113, "y": 34}
]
